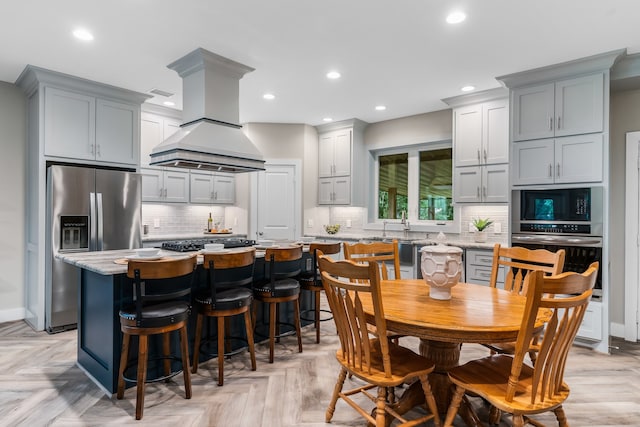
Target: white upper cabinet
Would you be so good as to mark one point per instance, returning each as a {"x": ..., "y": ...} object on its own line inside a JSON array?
[
  {"x": 481, "y": 184},
  {"x": 334, "y": 153},
  {"x": 481, "y": 133},
  {"x": 571, "y": 159},
  {"x": 164, "y": 185},
  {"x": 84, "y": 127},
  {"x": 212, "y": 188},
  {"x": 566, "y": 107},
  {"x": 155, "y": 128}
]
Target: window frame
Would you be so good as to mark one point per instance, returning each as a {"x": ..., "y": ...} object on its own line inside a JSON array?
[{"x": 413, "y": 190}]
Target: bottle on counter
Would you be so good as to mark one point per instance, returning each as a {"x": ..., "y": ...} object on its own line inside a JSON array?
[{"x": 209, "y": 223}]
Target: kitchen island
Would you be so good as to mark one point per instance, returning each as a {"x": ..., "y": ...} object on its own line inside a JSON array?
[{"x": 105, "y": 288}]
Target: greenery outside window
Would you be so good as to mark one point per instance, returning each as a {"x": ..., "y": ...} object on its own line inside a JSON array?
[{"x": 416, "y": 181}]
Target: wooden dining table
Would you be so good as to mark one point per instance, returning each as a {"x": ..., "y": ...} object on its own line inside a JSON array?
[{"x": 474, "y": 314}]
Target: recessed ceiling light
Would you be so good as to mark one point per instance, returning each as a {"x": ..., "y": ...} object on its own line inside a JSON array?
[
  {"x": 333, "y": 75},
  {"x": 456, "y": 17},
  {"x": 380, "y": 107},
  {"x": 467, "y": 88},
  {"x": 82, "y": 34},
  {"x": 327, "y": 119},
  {"x": 169, "y": 103},
  {"x": 269, "y": 96}
]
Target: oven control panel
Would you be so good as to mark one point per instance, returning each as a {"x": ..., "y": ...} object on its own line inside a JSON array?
[{"x": 555, "y": 228}]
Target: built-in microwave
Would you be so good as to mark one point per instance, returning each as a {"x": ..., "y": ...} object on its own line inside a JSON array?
[{"x": 559, "y": 210}]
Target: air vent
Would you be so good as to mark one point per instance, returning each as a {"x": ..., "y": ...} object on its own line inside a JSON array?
[{"x": 161, "y": 92}]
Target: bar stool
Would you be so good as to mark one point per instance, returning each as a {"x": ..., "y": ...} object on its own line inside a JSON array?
[
  {"x": 313, "y": 282},
  {"x": 282, "y": 265},
  {"x": 159, "y": 308},
  {"x": 229, "y": 274}
]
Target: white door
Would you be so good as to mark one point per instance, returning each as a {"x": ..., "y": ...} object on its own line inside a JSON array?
[
  {"x": 632, "y": 238},
  {"x": 278, "y": 201}
]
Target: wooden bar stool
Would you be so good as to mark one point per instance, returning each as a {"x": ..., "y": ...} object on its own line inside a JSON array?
[
  {"x": 313, "y": 282},
  {"x": 282, "y": 265},
  {"x": 230, "y": 276},
  {"x": 159, "y": 308}
]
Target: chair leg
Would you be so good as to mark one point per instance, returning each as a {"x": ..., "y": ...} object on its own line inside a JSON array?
[
  {"x": 124, "y": 355},
  {"x": 142, "y": 374},
  {"x": 430, "y": 399},
  {"x": 336, "y": 393},
  {"x": 166, "y": 352},
  {"x": 454, "y": 406},
  {"x": 518, "y": 420},
  {"x": 196, "y": 344},
  {"x": 494, "y": 415},
  {"x": 272, "y": 329},
  {"x": 317, "y": 315},
  {"x": 249, "y": 328},
  {"x": 221, "y": 323},
  {"x": 296, "y": 318},
  {"x": 186, "y": 372},
  {"x": 561, "y": 417},
  {"x": 381, "y": 401}
]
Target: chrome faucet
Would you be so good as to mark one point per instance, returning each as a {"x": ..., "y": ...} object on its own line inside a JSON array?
[{"x": 405, "y": 224}]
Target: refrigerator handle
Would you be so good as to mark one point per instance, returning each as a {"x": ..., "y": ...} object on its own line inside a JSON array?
[
  {"x": 93, "y": 226},
  {"x": 100, "y": 222}
]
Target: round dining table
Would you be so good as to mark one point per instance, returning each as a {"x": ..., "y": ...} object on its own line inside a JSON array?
[{"x": 474, "y": 314}]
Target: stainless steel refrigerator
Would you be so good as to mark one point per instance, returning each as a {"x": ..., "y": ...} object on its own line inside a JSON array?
[{"x": 88, "y": 209}]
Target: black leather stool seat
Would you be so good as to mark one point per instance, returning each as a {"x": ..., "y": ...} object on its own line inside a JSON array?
[
  {"x": 281, "y": 288},
  {"x": 227, "y": 300},
  {"x": 310, "y": 282},
  {"x": 162, "y": 314}
]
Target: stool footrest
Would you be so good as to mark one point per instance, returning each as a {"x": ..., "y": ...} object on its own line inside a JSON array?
[
  {"x": 283, "y": 334},
  {"x": 209, "y": 340},
  {"x": 153, "y": 380},
  {"x": 305, "y": 312}
]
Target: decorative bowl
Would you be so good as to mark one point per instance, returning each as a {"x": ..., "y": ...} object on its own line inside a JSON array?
[
  {"x": 332, "y": 229},
  {"x": 441, "y": 268},
  {"x": 147, "y": 252},
  {"x": 213, "y": 247}
]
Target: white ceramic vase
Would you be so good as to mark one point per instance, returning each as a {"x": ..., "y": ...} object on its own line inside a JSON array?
[
  {"x": 480, "y": 236},
  {"x": 441, "y": 268}
]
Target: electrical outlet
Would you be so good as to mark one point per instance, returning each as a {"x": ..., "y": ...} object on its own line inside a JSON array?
[
  {"x": 309, "y": 223},
  {"x": 156, "y": 223},
  {"x": 472, "y": 228},
  {"x": 497, "y": 227},
  {"x": 348, "y": 223}
]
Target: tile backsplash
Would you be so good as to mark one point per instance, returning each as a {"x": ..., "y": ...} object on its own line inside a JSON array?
[{"x": 179, "y": 218}]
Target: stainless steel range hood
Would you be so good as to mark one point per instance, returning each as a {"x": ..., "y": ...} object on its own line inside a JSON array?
[{"x": 210, "y": 138}]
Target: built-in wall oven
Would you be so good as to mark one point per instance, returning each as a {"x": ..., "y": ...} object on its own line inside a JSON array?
[{"x": 566, "y": 218}]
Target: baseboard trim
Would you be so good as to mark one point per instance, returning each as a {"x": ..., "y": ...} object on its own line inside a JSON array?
[{"x": 12, "y": 314}]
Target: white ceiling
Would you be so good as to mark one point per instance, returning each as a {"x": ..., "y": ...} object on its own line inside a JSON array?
[{"x": 399, "y": 53}]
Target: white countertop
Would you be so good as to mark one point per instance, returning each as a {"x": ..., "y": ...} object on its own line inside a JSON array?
[
  {"x": 466, "y": 244},
  {"x": 188, "y": 236}
]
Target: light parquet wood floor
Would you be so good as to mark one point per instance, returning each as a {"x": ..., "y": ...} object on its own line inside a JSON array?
[{"x": 40, "y": 385}]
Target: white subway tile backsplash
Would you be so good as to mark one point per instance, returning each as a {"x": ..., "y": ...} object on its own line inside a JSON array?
[{"x": 177, "y": 219}]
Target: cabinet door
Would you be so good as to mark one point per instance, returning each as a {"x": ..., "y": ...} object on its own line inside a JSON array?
[
  {"x": 580, "y": 105},
  {"x": 342, "y": 153},
  {"x": 495, "y": 132},
  {"x": 117, "y": 132},
  {"x": 341, "y": 190},
  {"x": 201, "y": 190},
  {"x": 325, "y": 191},
  {"x": 325, "y": 155},
  {"x": 579, "y": 158},
  {"x": 533, "y": 112},
  {"x": 532, "y": 162},
  {"x": 69, "y": 124},
  {"x": 468, "y": 135},
  {"x": 467, "y": 183},
  {"x": 176, "y": 186},
  {"x": 151, "y": 134},
  {"x": 495, "y": 183},
  {"x": 224, "y": 189},
  {"x": 152, "y": 188},
  {"x": 169, "y": 128}
]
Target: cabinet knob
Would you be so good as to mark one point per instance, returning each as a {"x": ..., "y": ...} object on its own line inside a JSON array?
[
  {"x": 478, "y": 191},
  {"x": 98, "y": 150},
  {"x": 558, "y": 123},
  {"x": 550, "y": 123},
  {"x": 479, "y": 160},
  {"x": 550, "y": 170},
  {"x": 558, "y": 169},
  {"x": 485, "y": 155}
]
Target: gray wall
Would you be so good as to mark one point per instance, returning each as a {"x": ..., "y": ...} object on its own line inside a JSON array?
[
  {"x": 13, "y": 142},
  {"x": 624, "y": 117},
  {"x": 428, "y": 127}
]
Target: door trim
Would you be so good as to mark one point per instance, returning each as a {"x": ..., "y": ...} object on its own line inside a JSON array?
[
  {"x": 253, "y": 202},
  {"x": 632, "y": 237}
]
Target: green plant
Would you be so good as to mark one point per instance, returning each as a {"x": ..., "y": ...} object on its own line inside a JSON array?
[
  {"x": 332, "y": 229},
  {"x": 480, "y": 224}
]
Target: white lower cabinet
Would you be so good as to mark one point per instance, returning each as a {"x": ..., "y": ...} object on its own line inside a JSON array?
[
  {"x": 212, "y": 188},
  {"x": 164, "y": 185},
  {"x": 478, "y": 265},
  {"x": 591, "y": 327}
]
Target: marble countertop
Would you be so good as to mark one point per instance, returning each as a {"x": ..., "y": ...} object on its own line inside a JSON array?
[
  {"x": 466, "y": 244},
  {"x": 187, "y": 236}
]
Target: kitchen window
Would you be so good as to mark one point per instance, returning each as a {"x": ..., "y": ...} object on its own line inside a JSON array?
[{"x": 416, "y": 181}]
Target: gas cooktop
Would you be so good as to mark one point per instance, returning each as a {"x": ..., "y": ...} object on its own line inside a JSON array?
[{"x": 198, "y": 244}]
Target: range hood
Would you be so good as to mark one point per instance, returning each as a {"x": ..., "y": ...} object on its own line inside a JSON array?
[{"x": 210, "y": 138}]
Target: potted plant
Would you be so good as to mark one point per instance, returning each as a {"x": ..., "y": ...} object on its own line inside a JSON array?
[{"x": 481, "y": 225}]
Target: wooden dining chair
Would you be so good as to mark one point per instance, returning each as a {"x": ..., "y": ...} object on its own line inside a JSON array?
[
  {"x": 282, "y": 267},
  {"x": 230, "y": 276},
  {"x": 510, "y": 384},
  {"x": 312, "y": 282},
  {"x": 159, "y": 307},
  {"x": 382, "y": 253},
  {"x": 517, "y": 263},
  {"x": 376, "y": 361}
]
